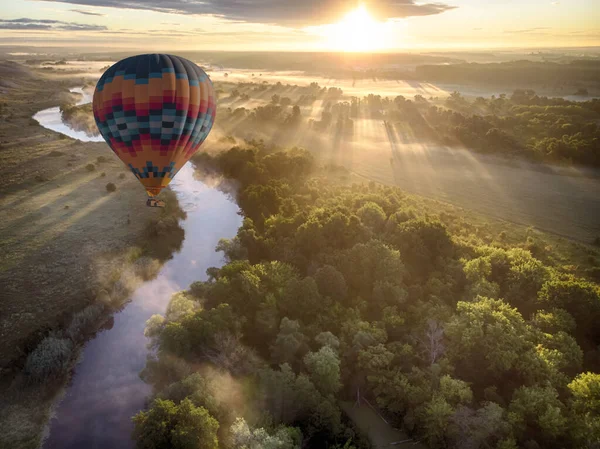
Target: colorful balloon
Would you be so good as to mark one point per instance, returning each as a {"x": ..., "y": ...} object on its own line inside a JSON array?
[{"x": 154, "y": 111}]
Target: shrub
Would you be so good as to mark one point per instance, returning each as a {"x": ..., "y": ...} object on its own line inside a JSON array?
[
  {"x": 84, "y": 322},
  {"x": 41, "y": 178},
  {"x": 69, "y": 164},
  {"x": 101, "y": 159},
  {"x": 49, "y": 360},
  {"x": 90, "y": 167},
  {"x": 122, "y": 176},
  {"x": 110, "y": 187},
  {"x": 102, "y": 175}
]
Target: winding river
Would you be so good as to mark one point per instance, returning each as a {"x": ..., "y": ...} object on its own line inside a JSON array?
[{"x": 105, "y": 390}]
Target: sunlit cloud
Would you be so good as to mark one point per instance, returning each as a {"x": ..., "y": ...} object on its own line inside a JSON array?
[{"x": 288, "y": 12}]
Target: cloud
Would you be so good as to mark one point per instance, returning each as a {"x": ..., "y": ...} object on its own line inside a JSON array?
[
  {"x": 88, "y": 13},
  {"x": 281, "y": 12},
  {"x": 538, "y": 30},
  {"x": 46, "y": 25}
]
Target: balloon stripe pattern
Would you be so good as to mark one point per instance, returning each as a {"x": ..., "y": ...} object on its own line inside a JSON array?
[{"x": 154, "y": 111}]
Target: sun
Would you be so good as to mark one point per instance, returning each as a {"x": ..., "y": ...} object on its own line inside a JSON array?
[{"x": 356, "y": 32}]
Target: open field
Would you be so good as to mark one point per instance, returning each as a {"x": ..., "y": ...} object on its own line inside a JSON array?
[
  {"x": 57, "y": 218},
  {"x": 553, "y": 200}
]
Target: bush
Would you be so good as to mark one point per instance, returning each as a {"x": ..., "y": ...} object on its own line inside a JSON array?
[
  {"x": 101, "y": 159},
  {"x": 84, "y": 322},
  {"x": 102, "y": 175},
  {"x": 90, "y": 167},
  {"x": 110, "y": 187},
  {"x": 49, "y": 360},
  {"x": 122, "y": 176}
]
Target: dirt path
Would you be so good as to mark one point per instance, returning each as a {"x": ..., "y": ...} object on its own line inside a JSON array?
[{"x": 381, "y": 434}]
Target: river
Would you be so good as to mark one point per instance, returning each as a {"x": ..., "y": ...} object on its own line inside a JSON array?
[{"x": 105, "y": 390}]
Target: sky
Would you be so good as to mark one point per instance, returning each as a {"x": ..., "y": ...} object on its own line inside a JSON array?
[{"x": 300, "y": 25}]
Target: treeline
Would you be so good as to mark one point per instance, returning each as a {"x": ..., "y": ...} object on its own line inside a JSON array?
[
  {"x": 332, "y": 290},
  {"x": 513, "y": 73},
  {"x": 523, "y": 124}
]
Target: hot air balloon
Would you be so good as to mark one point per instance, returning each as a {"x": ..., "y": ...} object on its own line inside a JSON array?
[{"x": 154, "y": 111}]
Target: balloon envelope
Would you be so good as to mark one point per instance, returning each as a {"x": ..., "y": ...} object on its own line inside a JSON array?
[{"x": 154, "y": 111}]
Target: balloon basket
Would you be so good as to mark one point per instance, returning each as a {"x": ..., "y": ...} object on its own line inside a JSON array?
[{"x": 152, "y": 202}]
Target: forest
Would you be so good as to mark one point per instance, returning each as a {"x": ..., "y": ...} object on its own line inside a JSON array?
[
  {"x": 333, "y": 290},
  {"x": 522, "y": 124}
]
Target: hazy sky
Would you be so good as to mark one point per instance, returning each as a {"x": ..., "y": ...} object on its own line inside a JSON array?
[{"x": 300, "y": 24}]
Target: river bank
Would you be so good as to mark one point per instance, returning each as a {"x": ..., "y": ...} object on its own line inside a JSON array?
[{"x": 73, "y": 251}]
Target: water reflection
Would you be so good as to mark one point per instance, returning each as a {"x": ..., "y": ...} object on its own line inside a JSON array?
[{"x": 50, "y": 118}]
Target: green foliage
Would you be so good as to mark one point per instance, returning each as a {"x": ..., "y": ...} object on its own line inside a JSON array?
[
  {"x": 537, "y": 412},
  {"x": 243, "y": 437},
  {"x": 372, "y": 215},
  {"x": 49, "y": 361},
  {"x": 580, "y": 299},
  {"x": 85, "y": 322},
  {"x": 170, "y": 426},
  {"x": 324, "y": 370},
  {"x": 289, "y": 342},
  {"x": 357, "y": 289}
]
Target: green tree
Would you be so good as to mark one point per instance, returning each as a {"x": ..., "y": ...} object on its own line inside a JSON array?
[
  {"x": 169, "y": 426},
  {"x": 579, "y": 298},
  {"x": 290, "y": 342},
  {"x": 488, "y": 336},
  {"x": 243, "y": 437},
  {"x": 324, "y": 369},
  {"x": 537, "y": 414},
  {"x": 372, "y": 215},
  {"x": 585, "y": 403},
  {"x": 327, "y": 339}
]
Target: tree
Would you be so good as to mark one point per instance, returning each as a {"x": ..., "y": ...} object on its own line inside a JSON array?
[
  {"x": 537, "y": 414},
  {"x": 324, "y": 369},
  {"x": 331, "y": 283},
  {"x": 488, "y": 336},
  {"x": 170, "y": 426},
  {"x": 328, "y": 339},
  {"x": 585, "y": 403},
  {"x": 290, "y": 341},
  {"x": 554, "y": 320},
  {"x": 579, "y": 298},
  {"x": 432, "y": 341},
  {"x": 437, "y": 415},
  {"x": 243, "y": 437},
  {"x": 372, "y": 215},
  {"x": 481, "y": 428}
]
